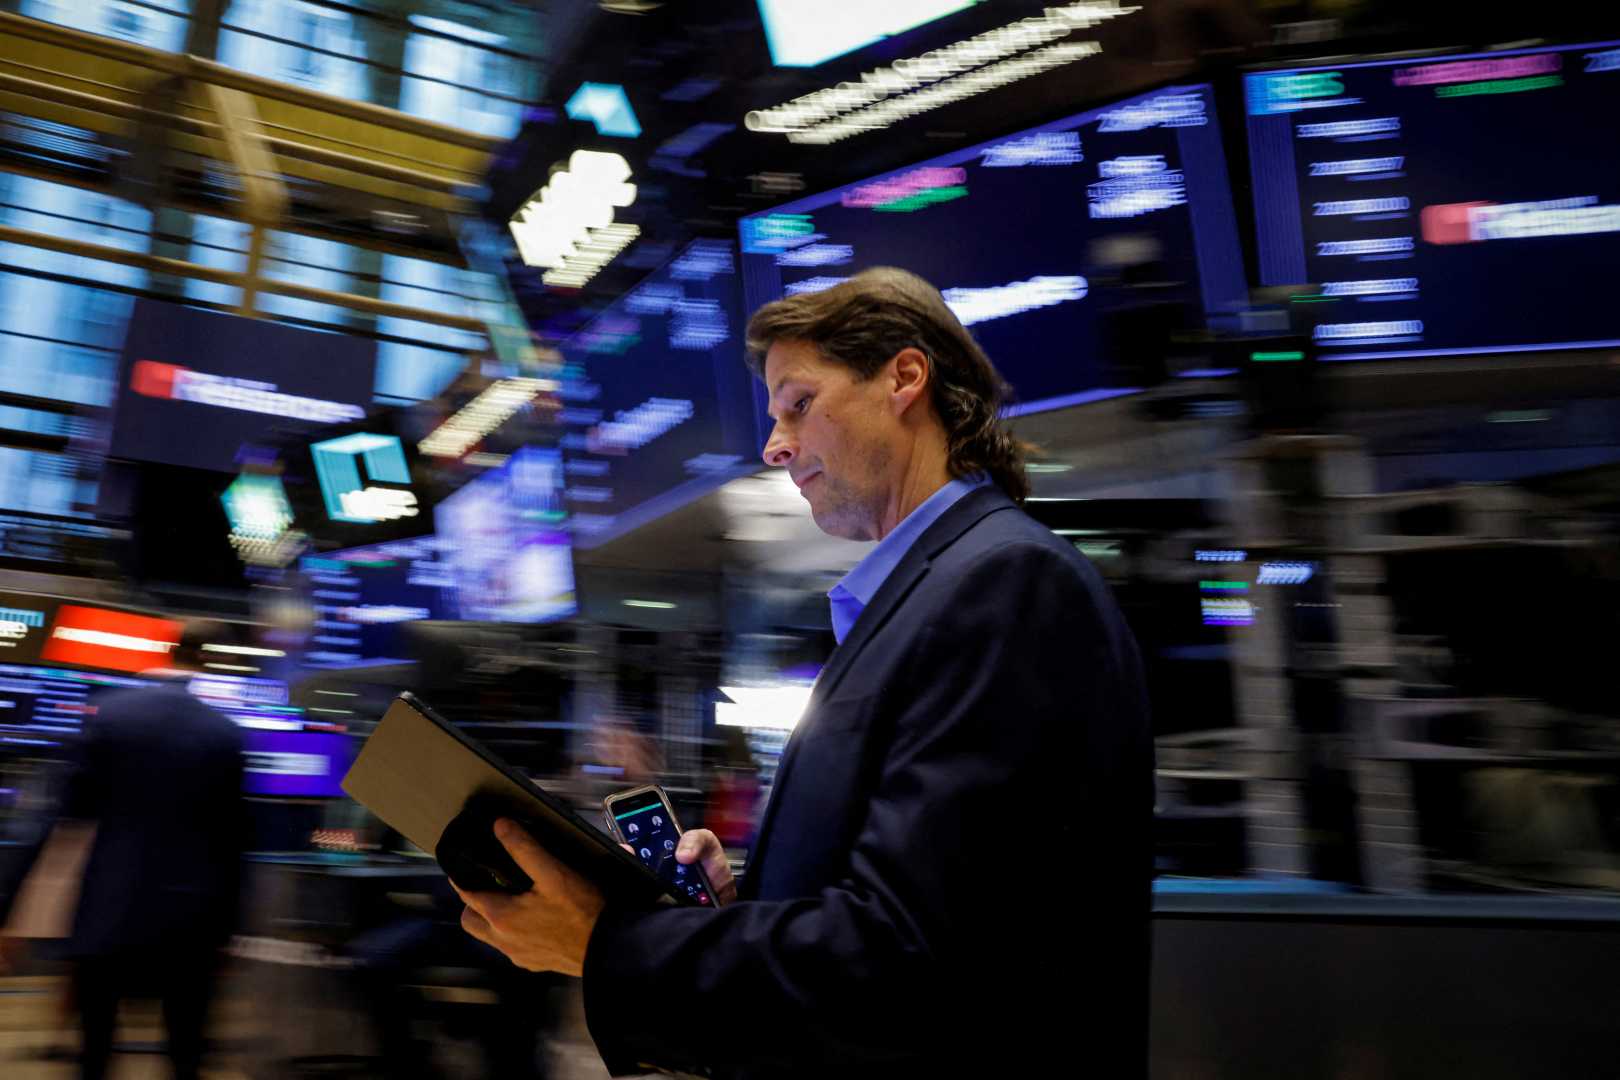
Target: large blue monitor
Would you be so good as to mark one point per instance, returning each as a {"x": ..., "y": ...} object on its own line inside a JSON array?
[
  {"x": 1019, "y": 234},
  {"x": 1448, "y": 205},
  {"x": 509, "y": 555},
  {"x": 663, "y": 412}
]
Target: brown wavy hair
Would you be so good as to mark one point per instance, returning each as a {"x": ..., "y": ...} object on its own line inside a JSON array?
[{"x": 863, "y": 321}]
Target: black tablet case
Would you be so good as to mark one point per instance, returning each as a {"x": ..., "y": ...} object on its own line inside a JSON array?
[{"x": 418, "y": 773}]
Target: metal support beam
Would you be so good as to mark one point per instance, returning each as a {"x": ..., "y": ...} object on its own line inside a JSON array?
[
  {"x": 181, "y": 268},
  {"x": 255, "y": 263},
  {"x": 264, "y": 195},
  {"x": 286, "y": 147}
]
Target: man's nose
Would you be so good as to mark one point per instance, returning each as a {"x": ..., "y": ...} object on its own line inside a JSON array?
[{"x": 778, "y": 450}]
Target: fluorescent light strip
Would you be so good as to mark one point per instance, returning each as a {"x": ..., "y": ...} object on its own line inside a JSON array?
[
  {"x": 243, "y": 650},
  {"x": 661, "y": 605},
  {"x": 230, "y": 667},
  {"x": 885, "y": 113}
]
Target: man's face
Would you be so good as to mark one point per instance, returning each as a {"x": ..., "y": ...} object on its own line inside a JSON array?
[{"x": 836, "y": 436}]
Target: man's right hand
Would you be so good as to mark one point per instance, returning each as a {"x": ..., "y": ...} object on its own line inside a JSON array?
[{"x": 701, "y": 845}]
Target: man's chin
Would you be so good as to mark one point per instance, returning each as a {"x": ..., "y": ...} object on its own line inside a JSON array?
[{"x": 839, "y": 526}]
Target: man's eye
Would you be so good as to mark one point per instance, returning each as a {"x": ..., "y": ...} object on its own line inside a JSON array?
[{"x": 802, "y": 404}]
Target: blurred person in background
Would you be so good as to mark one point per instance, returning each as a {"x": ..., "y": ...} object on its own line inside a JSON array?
[
  {"x": 159, "y": 777},
  {"x": 616, "y": 744},
  {"x": 953, "y": 874},
  {"x": 733, "y": 790}
]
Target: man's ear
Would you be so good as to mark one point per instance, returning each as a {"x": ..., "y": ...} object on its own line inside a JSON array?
[{"x": 910, "y": 374}]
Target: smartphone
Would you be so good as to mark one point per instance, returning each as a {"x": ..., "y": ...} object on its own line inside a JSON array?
[{"x": 642, "y": 818}]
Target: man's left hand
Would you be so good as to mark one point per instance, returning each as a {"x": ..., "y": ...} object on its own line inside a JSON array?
[{"x": 544, "y": 929}]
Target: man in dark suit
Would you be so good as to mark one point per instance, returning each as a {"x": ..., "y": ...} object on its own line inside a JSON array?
[
  {"x": 159, "y": 774},
  {"x": 952, "y": 876}
]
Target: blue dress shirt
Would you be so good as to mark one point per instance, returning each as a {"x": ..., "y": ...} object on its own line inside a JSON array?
[{"x": 850, "y": 596}]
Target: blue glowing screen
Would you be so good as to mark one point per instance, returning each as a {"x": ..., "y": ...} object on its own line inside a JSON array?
[
  {"x": 1446, "y": 205},
  {"x": 504, "y": 539},
  {"x": 661, "y": 408},
  {"x": 1020, "y": 234}
]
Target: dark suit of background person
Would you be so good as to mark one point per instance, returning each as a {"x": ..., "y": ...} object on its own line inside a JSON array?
[
  {"x": 953, "y": 874},
  {"x": 160, "y": 775}
]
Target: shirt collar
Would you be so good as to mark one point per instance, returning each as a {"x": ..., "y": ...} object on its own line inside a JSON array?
[{"x": 850, "y": 596}]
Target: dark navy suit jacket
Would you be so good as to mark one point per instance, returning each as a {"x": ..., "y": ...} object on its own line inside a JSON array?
[
  {"x": 953, "y": 874},
  {"x": 160, "y": 773}
]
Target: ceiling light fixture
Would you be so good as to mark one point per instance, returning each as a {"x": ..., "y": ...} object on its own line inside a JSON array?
[
  {"x": 482, "y": 415},
  {"x": 567, "y": 227},
  {"x": 919, "y": 84}
]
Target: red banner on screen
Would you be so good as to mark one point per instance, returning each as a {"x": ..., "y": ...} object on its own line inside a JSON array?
[
  {"x": 95, "y": 637},
  {"x": 154, "y": 379}
]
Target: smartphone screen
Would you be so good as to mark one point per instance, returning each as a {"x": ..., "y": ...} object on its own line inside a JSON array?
[{"x": 645, "y": 823}]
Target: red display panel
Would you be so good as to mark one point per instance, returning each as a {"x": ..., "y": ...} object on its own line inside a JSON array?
[{"x": 116, "y": 640}]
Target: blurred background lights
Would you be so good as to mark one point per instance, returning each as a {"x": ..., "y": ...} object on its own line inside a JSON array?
[
  {"x": 607, "y": 106},
  {"x": 762, "y": 706}
]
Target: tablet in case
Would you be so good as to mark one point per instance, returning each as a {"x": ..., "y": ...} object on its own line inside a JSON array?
[{"x": 443, "y": 791}]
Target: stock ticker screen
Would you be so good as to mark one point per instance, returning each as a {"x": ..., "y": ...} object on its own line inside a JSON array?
[
  {"x": 1019, "y": 233},
  {"x": 1448, "y": 205},
  {"x": 361, "y": 597},
  {"x": 45, "y": 706},
  {"x": 662, "y": 411},
  {"x": 195, "y": 385}
]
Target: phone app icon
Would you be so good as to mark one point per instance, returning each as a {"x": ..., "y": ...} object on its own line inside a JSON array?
[
  {"x": 658, "y": 822},
  {"x": 634, "y": 828},
  {"x": 669, "y": 845},
  {"x": 645, "y": 854}
]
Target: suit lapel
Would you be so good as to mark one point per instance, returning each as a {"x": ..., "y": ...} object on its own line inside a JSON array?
[{"x": 914, "y": 566}]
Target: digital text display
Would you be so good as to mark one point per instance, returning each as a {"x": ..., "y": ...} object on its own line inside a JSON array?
[
  {"x": 1444, "y": 205},
  {"x": 1024, "y": 235}
]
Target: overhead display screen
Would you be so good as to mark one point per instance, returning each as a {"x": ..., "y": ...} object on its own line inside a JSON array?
[
  {"x": 296, "y": 764},
  {"x": 505, "y": 543},
  {"x": 1447, "y": 205},
  {"x": 662, "y": 409},
  {"x": 24, "y": 618},
  {"x": 46, "y": 706},
  {"x": 362, "y": 598},
  {"x": 1026, "y": 236},
  {"x": 195, "y": 385}
]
